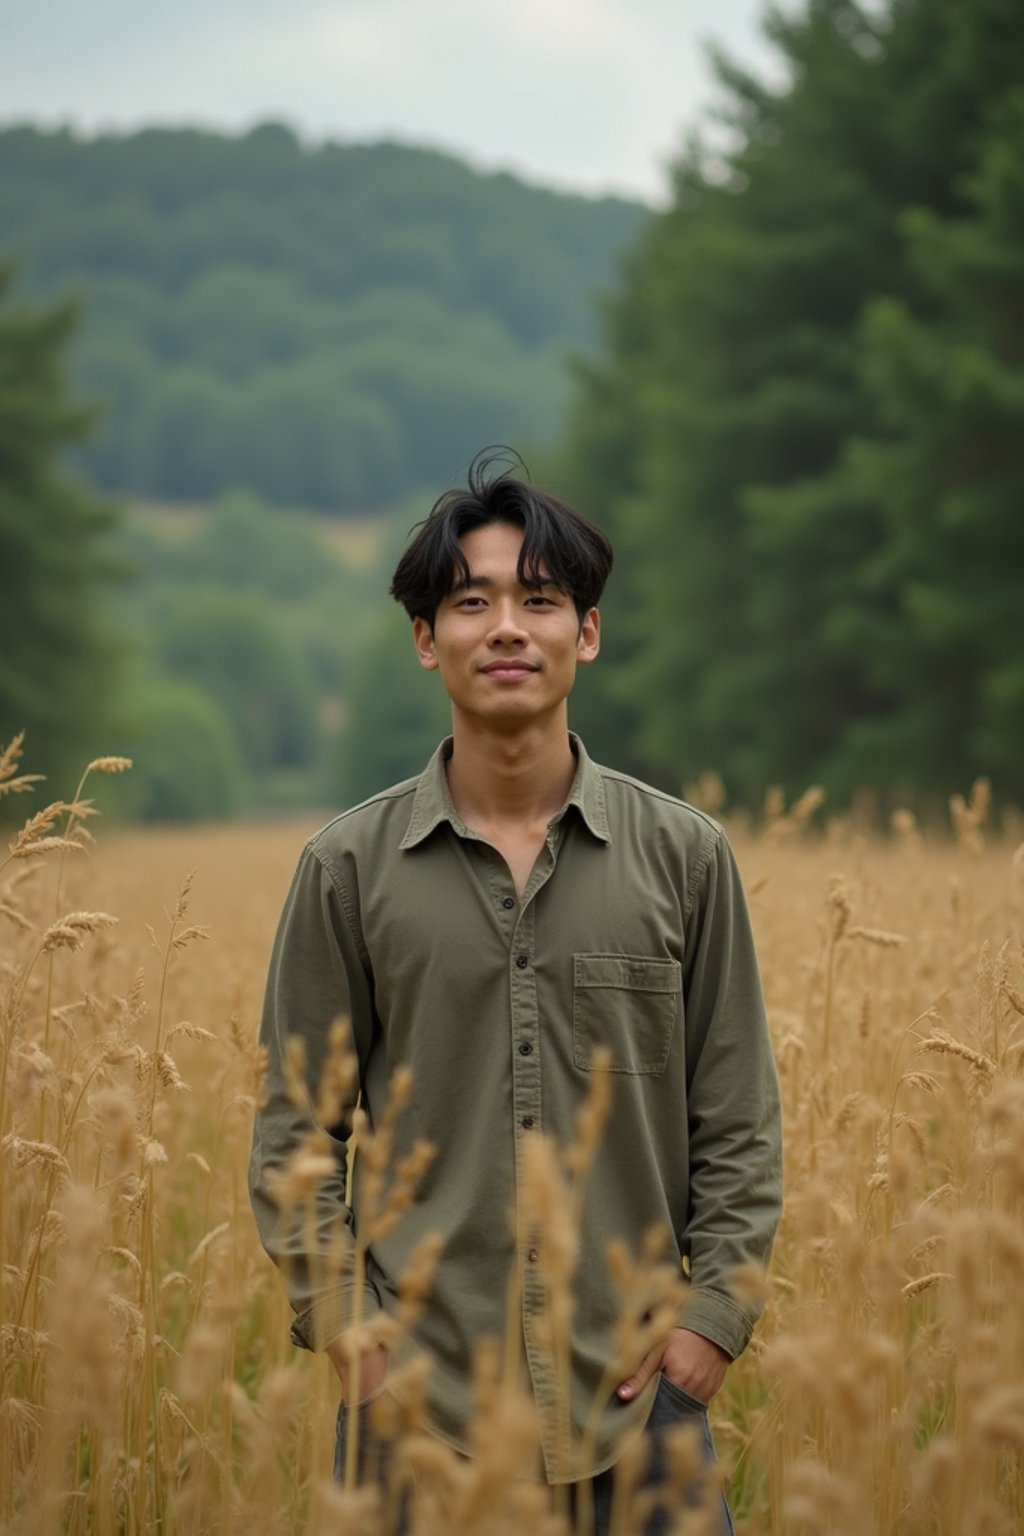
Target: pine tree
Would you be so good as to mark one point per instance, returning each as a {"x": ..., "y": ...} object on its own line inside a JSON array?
[
  {"x": 714, "y": 437},
  {"x": 820, "y": 542},
  {"x": 944, "y": 633},
  {"x": 55, "y": 657}
]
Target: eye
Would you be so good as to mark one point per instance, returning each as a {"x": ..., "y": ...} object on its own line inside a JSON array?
[{"x": 540, "y": 602}]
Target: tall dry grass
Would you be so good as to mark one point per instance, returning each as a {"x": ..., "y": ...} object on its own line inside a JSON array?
[{"x": 146, "y": 1379}]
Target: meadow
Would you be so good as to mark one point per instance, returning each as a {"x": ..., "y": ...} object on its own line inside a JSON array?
[{"x": 148, "y": 1383}]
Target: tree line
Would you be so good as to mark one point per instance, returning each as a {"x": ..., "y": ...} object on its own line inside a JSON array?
[{"x": 329, "y": 326}]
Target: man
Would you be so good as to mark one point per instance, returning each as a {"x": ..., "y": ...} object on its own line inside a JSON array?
[{"x": 491, "y": 924}]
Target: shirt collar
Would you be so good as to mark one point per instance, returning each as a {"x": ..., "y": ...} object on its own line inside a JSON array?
[{"x": 432, "y": 803}]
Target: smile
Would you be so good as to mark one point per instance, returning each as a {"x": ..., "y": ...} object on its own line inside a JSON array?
[{"x": 508, "y": 670}]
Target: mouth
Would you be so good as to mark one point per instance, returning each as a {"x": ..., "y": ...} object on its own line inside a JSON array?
[{"x": 508, "y": 669}]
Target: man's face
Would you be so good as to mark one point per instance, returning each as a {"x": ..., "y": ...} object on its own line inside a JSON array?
[{"x": 505, "y": 652}]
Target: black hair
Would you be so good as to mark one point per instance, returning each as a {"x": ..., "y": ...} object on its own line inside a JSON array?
[{"x": 559, "y": 543}]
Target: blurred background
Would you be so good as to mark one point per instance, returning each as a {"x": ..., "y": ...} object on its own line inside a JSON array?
[{"x": 746, "y": 285}]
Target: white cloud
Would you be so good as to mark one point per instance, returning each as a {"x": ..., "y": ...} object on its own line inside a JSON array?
[{"x": 592, "y": 26}]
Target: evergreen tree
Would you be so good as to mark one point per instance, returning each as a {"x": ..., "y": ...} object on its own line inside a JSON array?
[
  {"x": 55, "y": 658},
  {"x": 815, "y": 706},
  {"x": 714, "y": 438},
  {"x": 944, "y": 634}
]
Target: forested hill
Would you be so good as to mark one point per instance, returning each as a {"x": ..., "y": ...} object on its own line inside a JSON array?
[{"x": 332, "y": 326}]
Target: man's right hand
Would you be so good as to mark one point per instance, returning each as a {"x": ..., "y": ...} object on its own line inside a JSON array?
[{"x": 373, "y": 1369}]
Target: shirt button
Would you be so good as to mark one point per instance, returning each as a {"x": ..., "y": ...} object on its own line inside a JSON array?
[
  {"x": 508, "y": 902},
  {"x": 525, "y": 1048},
  {"x": 522, "y": 961},
  {"x": 533, "y": 1255},
  {"x": 527, "y": 1122}
]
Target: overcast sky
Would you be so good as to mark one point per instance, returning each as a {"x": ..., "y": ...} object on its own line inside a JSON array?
[{"x": 588, "y": 94}]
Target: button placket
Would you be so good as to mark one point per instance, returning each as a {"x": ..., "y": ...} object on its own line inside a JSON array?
[
  {"x": 498, "y": 884},
  {"x": 525, "y": 1020},
  {"x": 526, "y": 1105}
]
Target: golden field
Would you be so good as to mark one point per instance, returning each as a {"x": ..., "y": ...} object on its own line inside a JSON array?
[{"x": 147, "y": 1378}]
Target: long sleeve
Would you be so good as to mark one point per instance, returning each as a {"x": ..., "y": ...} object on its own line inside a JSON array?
[
  {"x": 318, "y": 972},
  {"x": 734, "y": 1120}
]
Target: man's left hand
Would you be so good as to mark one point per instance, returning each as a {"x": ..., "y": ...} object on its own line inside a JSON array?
[{"x": 688, "y": 1360}]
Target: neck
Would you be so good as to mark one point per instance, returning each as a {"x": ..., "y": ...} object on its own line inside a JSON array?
[{"x": 510, "y": 777}]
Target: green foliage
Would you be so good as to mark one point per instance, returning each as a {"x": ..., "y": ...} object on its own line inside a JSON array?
[
  {"x": 332, "y": 327},
  {"x": 396, "y": 712},
  {"x": 57, "y": 661},
  {"x": 948, "y": 478},
  {"x": 186, "y": 764},
  {"x": 247, "y": 610},
  {"x": 243, "y": 543},
  {"x": 231, "y": 646},
  {"x": 804, "y": 433}
]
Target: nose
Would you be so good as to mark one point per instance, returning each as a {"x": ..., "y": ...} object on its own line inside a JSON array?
[{"x": 506, "y": 624}]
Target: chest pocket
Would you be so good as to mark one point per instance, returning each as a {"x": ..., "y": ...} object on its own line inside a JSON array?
[{"x": 629, "y": 1003}]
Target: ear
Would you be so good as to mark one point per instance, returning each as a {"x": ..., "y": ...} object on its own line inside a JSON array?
[
  {"x": 423, "y": 639},
  {"x": 589, "y": 643}
]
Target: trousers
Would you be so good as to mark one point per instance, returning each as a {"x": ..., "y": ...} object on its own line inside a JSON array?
[{"x": 672, "y": 1407}]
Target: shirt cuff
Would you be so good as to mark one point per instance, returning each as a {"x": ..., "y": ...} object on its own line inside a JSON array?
[
  {"x": 330, "y": 1314},
  {"x": 718, "y": 1318}
]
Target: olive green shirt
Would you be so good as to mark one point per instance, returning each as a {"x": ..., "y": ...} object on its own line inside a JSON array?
[{"x": 633, "y": 933}]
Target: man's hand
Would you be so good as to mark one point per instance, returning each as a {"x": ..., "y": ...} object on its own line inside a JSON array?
[
  {"x": 688, "y": 1360},
  {"x": 373, "y": 1368}
]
